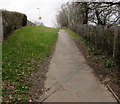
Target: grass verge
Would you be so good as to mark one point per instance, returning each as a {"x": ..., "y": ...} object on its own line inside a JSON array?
[
  {"x": 102, "y": 64},
  {"x": 23, "y": 53}
]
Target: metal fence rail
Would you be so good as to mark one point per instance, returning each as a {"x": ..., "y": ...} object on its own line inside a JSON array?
[{"x": 105, "y": 39}]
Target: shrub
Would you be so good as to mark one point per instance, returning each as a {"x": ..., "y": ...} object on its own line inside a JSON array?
[
  {"x": 24, "y": 20},
  {"x": 109, "y": 64},
  {"x": 12, "y": 21}
]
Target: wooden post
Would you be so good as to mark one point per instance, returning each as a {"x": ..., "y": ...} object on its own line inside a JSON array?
[
  {"x": 1, "y": 38},
  {"x": 114, "y": 41},
  {"x": 1, "y": 27}
]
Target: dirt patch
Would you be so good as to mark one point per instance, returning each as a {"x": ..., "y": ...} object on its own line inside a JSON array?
[
  {"x": 38, "y": 78},
  {"x": 100, "y": 71}
]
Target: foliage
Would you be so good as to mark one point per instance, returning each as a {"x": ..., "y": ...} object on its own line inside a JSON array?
[
  {"x": 109, "y": 64},
  {"x": 24, "y": 20},
  {"x": 12, "y": 21},
  {"x": 23, "y": 53}
]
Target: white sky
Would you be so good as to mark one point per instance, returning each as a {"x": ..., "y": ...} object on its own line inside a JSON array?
[{"x": 48, "y": 8}]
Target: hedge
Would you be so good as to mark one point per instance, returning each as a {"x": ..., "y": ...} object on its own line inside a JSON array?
[{"x": 12, "y": 21}]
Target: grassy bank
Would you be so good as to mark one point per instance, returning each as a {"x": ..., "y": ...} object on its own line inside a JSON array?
[{"x": 23, "y": 53}]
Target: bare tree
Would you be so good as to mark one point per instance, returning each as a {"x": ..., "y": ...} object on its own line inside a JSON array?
[
  {"x": 101, "y": 13},
  {"x": 62, "y": 17}
]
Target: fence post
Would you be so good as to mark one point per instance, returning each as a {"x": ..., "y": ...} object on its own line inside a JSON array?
[
  {"x": 1, "y": 38},
  {"x": 114, "y": 41},
  {"x": 1, "y": 27}
]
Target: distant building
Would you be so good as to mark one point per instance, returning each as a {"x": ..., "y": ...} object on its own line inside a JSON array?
[
  {"x": 29, "y": 23},
  {"x": 39, "y": 24}
]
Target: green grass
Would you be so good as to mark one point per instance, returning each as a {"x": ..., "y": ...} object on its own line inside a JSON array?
[
  {"x": 23, "y": 53},
  {"x": 75, "y": 36}
]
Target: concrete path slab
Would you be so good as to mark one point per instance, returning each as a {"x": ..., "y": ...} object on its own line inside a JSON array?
[{"x": 70, "y": 79}]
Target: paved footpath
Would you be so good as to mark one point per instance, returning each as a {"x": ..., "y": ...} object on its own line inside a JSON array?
[{"x": 70, "y": 79}]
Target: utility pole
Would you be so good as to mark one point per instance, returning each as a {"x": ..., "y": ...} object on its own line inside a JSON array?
[{"x": 39, "y": 15}]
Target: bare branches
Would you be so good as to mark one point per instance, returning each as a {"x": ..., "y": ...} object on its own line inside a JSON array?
[{"x": 101, "y": 13}]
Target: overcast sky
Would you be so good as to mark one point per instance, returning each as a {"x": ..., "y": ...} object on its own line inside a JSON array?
[{"x": 48, "y": 8}]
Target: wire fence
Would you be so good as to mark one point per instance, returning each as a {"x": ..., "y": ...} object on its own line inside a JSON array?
[{"x": 104, "y": 38}]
